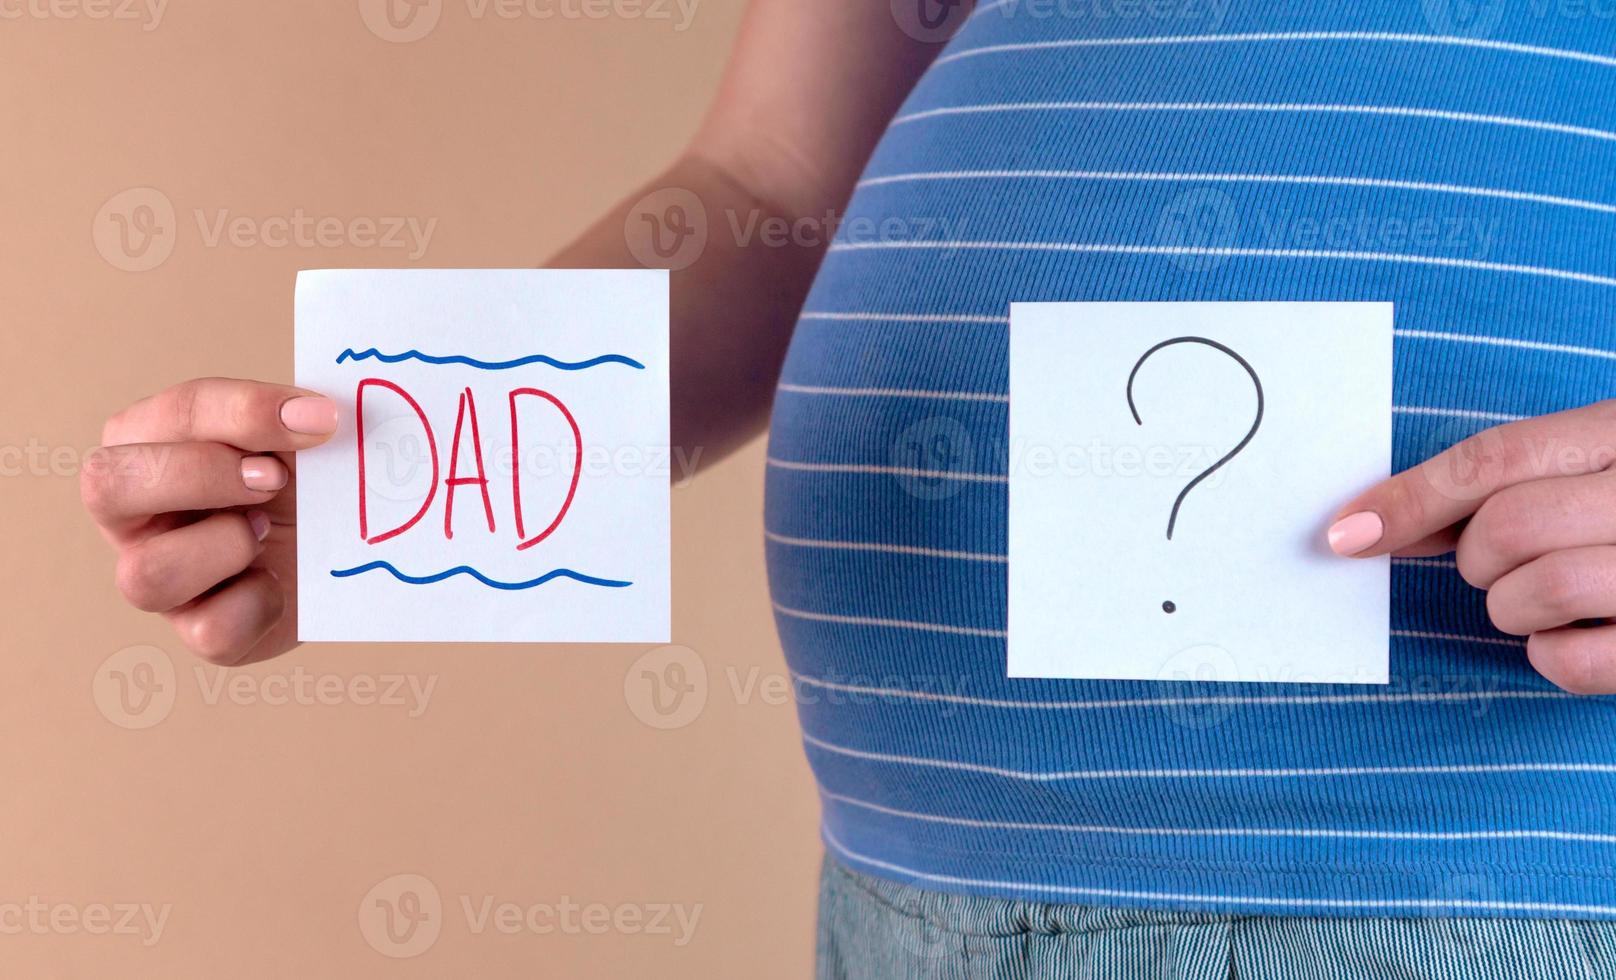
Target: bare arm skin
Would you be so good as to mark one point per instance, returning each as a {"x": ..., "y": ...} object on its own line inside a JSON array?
[
  {"x": 193, "y": 487},
  {"x": 809, "y": 90}
]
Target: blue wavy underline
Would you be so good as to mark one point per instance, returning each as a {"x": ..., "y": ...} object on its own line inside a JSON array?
[
  {"x": 479, "y": 576},
  {"x": 351, "y": 355}
]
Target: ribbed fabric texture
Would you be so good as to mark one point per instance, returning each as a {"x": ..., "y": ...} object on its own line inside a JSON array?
[
  {"x": 1193, "y": 150},
  {"x": 874, "y": 929}
]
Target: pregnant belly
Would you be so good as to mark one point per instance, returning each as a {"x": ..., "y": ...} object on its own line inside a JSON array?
[{"x": 1176, "y": 172}]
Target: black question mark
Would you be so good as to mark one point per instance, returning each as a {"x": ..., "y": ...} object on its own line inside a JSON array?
[{"x": 1172, "y": 518}]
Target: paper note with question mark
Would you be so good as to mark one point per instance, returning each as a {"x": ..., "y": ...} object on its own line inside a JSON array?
[{"x": 1172, "y": 470}]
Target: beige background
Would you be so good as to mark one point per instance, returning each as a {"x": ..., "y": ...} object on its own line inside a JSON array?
[{"x": 528, "y": 778}]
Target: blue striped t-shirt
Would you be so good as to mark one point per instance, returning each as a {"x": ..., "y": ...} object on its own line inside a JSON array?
[{"x": 1456, "y": 159}]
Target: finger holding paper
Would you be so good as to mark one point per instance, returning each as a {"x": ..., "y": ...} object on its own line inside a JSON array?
[
  {"x": 1529, "y": 508},
  {"x": 1418, "y": 510},
  {"x": 191, "y": 489}
]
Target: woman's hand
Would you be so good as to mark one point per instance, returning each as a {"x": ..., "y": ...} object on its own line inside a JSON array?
[
  {"x": 193, "y": 487},
  {"x": 1530, "y": 510}
]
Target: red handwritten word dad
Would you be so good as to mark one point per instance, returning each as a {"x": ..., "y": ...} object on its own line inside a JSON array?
[{"x": 465, "y": 415}]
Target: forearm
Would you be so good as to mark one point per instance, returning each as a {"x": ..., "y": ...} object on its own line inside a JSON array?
[
  {"x": 807, "y": 94},
  {"x": 732, "y": 308}
]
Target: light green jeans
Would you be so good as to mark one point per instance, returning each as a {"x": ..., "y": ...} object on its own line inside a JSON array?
[{"x": 873, "y": 929}]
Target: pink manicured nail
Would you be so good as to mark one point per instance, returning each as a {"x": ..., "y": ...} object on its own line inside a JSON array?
[
  {"x": 263, "y": 473},
  {"x": 259, "y": 521},
  {"x": 1355, "y": 532},
  {"x": 311, "y": 415}
]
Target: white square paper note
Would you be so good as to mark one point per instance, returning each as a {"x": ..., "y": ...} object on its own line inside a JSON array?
[
  {"x": 502, "y": 464},
  {"x": 1140, "y": 549}
]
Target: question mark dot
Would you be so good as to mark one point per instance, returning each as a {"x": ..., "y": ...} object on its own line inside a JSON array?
[{"x": 1169, "y": 606}]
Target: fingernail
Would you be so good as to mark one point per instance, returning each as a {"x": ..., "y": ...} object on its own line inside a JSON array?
[
  {"x": 1355, "y": 532},
  {"x": 312, "y": 415},
  {"x": 259, "y": 522},
  {"x": 263, "y": 473}
]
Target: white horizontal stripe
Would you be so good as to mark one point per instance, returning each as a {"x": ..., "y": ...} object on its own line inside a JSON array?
[
  {"x": 966, "y": 396},
  {"x": 1458, "y": 413},
  {"x": 1407, "y": 185},
  {"x": 1427, "y": 562},
  {"x": 1289, "y": 902},
  {"x": 895, "y": 549},
  {"x": 903, "y": 624},
  {"x": 979, "y": 631},
  {"x": 1130, "y": 703},
  {"x": 1507, "y": 342},
  {"x": 907, "y": 317},
  {"x": 1440, "y": 335},
  {"x": 1403, "y": 409},
  {"x": 789, "y": 464},
  {"x": 1446, "y": 115},
  {"x": 1005, "y": 399},
  {"x": 1501, "y": 641},
  {"x": 984, "y": 8},
  {"x": 906, "y": 549},
  {"x": 1250, "y": 773},
  {"x": 1305, "y": 832},
  {"x": 1089, "y": 248},
  {"x": 1372, "y": 36}
]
